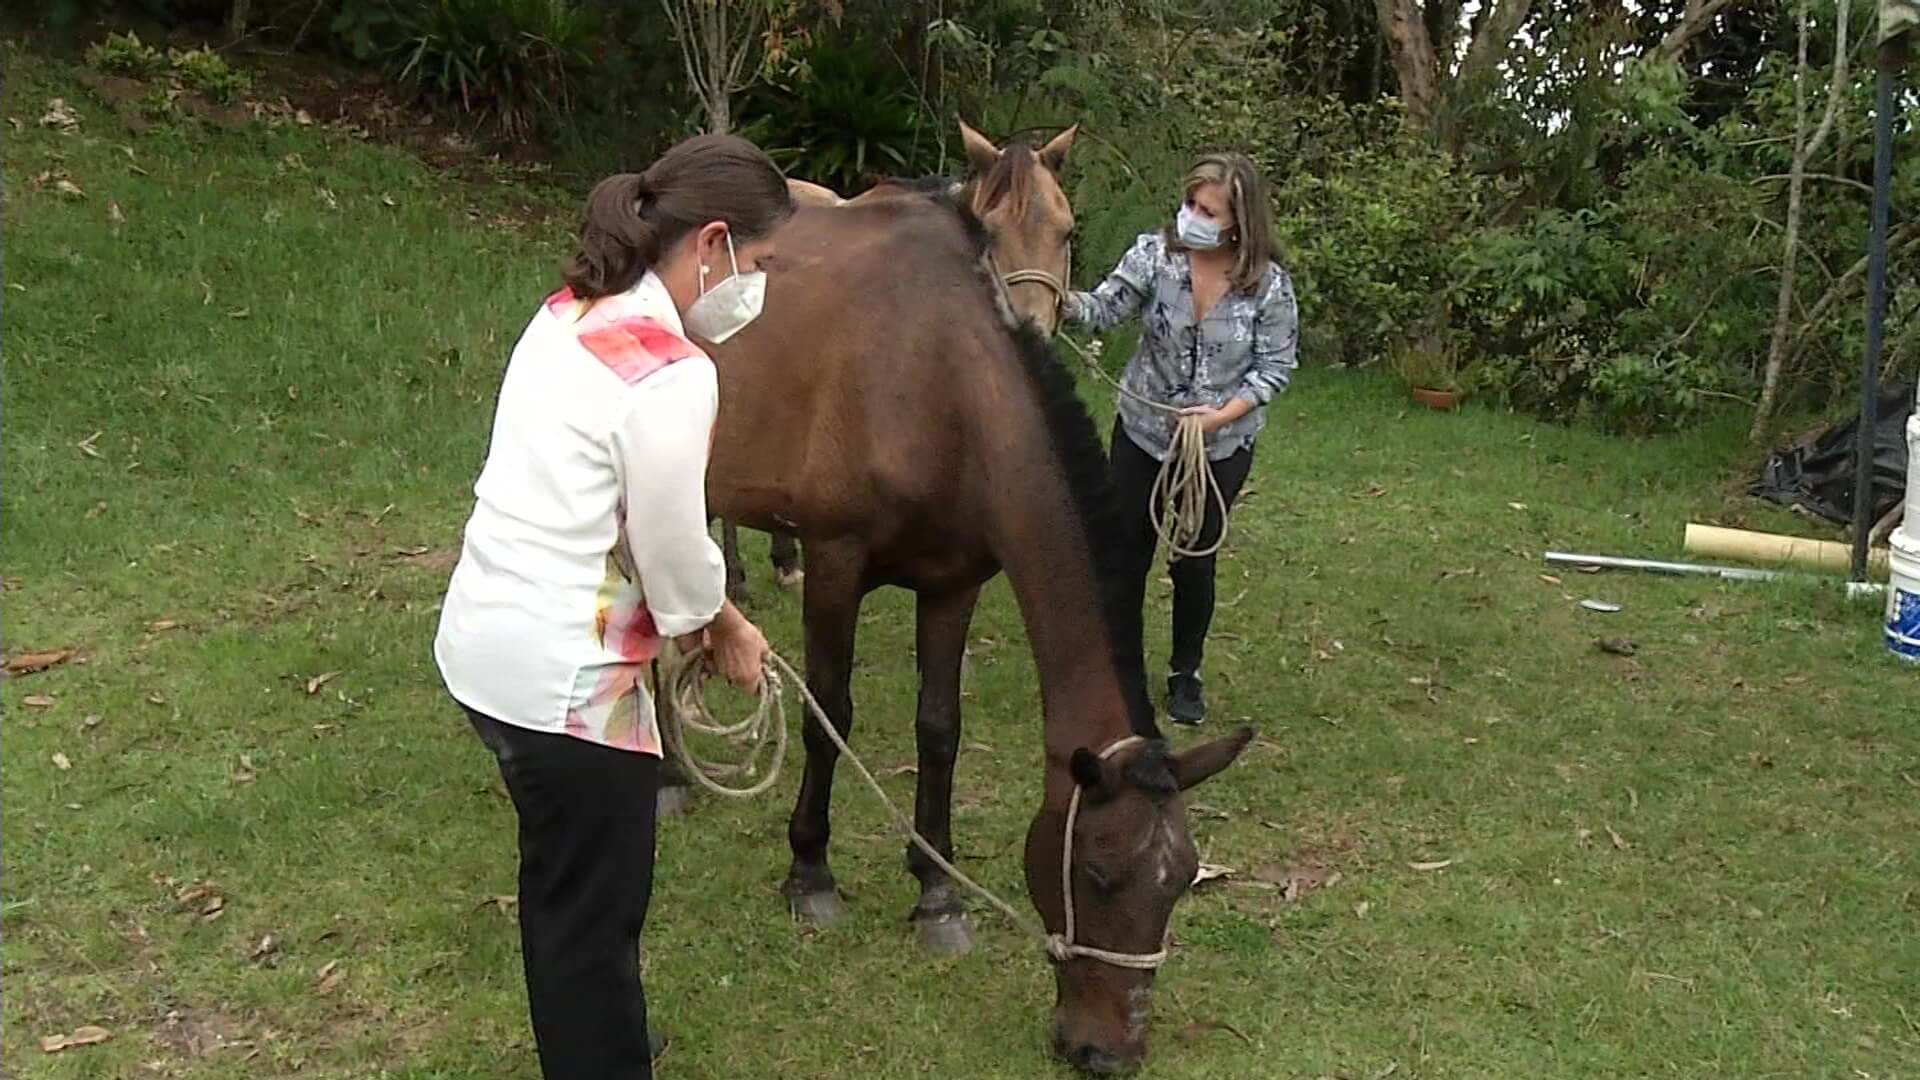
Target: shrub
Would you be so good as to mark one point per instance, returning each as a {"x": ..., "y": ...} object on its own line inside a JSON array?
[
  {"x": 206, "y": 71},
  {"x": 842, "y": 116},
  {"x": 509, "y": 65},
  {"x": 126, "y": 54}
]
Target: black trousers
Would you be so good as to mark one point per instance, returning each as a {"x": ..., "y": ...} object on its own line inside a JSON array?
[
  {"x": 586, "y": 874},
  {"x": 1134, "y": 472}
]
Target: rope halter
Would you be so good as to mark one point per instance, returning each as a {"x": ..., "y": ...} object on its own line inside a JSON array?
[{"x": 1062, "y": 947}]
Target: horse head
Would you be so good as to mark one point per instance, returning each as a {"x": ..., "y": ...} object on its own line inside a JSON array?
[
  {"x": 1105, "y": 878},
  {"x": 1015, "y": 192}
]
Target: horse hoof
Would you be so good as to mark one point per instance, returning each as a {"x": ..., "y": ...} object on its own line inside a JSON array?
[
  {"x": 818, "y": 908},
  {"x": 790, "y": 579},
  {"x": 673, "y": 801},
  {"x": 944, "y": 935}
]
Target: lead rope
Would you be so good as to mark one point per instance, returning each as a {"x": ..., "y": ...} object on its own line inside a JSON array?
[
  {"x": 683, "y": 686},
  {"x": 1185, "y": 484},
  {"x": 1177, "y": 506}
]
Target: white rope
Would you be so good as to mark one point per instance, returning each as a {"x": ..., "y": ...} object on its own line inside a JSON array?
[
  {"x": 683, "y": 687},
  {"x": 1185, "y": 484}
]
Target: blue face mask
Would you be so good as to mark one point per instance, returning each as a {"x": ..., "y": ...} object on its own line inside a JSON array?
[{"x": 1196, "y": 230}]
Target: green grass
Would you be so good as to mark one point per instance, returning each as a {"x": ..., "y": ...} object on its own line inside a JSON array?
[{"x": 288, "y": 343}]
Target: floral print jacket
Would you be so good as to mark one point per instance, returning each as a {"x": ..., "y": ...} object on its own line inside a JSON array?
[{"x": 1244, "y": 348}]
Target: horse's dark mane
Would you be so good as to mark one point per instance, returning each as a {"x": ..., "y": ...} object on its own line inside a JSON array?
[
  {"x": 1076, "y": 444},
  {"x": 1152, "y": 770},
  {"x": 1083, "y": 460}
]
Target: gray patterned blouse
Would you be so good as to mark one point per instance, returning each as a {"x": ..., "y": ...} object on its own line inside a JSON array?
[{"x": 1244, "y": 347}]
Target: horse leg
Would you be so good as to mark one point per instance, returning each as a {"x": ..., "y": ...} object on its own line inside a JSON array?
[
  {"x": 786, "y": 559},
  {"x": 941, "y": 642},
  {"x": 831, "y": 606},
  {"x": 730, "y": 556}
]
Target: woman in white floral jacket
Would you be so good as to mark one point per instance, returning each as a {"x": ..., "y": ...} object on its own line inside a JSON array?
[{"x": 1220, "y": 330}]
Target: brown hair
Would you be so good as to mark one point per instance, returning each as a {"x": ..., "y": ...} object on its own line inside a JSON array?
[
  {"x": 632, "y": 219},
  {"x": 1252, "y": 233}
]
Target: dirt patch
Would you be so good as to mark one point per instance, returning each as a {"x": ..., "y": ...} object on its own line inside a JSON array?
[{"x": 193, "y": 1033}]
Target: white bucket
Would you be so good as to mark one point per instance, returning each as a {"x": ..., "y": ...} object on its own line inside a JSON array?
[{"x": 1903, "y": 590}]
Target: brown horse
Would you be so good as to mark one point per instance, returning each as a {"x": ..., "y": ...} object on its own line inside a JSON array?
[
  {"x": 896, "y": 409},
  {"x": 1027, "y": 229}
]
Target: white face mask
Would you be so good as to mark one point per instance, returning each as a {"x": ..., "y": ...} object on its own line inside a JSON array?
[
  {"x": 727, "y": 308},
  {"x": 1196, "y": 230}
]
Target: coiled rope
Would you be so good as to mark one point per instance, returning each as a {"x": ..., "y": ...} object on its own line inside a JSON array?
[{"x": 1185, "y": 484}]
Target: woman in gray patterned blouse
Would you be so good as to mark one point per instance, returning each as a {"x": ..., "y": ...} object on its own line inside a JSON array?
[{"x": 1219, "y": 333}]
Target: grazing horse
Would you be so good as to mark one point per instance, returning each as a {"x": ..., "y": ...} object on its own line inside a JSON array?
[{"x": 900, "y": 410}]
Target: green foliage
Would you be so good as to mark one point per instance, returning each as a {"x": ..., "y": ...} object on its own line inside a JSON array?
[
  {"x": 505, "y": 65},
  {"x": 841, "y": 116},
  {"x": 207, "y": 71},
  {"x": 126, "y": 54}
]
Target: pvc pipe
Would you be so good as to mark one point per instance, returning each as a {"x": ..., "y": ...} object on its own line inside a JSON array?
[
  {"x": 1774, "y": 548},
  {"x": 1730, "y": 573}
]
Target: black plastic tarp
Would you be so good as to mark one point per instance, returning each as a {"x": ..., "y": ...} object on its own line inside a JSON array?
[{"x": 1818, "y": 476}]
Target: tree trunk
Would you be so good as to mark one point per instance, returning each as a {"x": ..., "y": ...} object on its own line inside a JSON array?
[
  {"x": 1403, "y": 23},
  {"x": 1804, "y": 147}
]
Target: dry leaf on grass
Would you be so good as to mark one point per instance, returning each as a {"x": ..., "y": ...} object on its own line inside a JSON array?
[
  {"x": 161, "y": 626},
  {"x": 62, "y": 762},
  {"x": 1296, "y": 880},
  {"x": 85, "y": 1035},
  {"x": 60, "y": 116},
  {"x": 1211, "y": 872},
  {"x": 1619, "y": 842},
  {"x": 329, "y": 977},
  {"x": 32, "y": 662},
  {"x": 314, "y": 684},
  {"x": 1437, "y": 864},
  {"x": 264, "y": 948},
  {"x": 1199, "y": 1029},
  {"x": 37, "y": 701},
  {"x": 115, "y": 214},
  {"x": 244, "y": 773}
]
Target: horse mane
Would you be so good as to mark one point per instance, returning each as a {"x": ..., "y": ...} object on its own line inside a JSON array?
[
  {"x": 1071, "y": 431},
  {"x": 1077, "y": 446}
]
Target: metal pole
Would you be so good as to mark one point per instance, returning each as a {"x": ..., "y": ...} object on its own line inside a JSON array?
[{"x": 1888, "y": 58}]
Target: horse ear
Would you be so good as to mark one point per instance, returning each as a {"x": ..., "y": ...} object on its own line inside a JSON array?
[
  {"x": 1086, "y": 769},
  {"x": 981, "y": 153},
  {"x": 1054, "y": 154},
  {"x": 1198, "y": 763}
]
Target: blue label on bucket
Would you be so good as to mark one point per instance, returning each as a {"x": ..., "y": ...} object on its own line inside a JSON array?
[{"x": 1903, "y": 623}]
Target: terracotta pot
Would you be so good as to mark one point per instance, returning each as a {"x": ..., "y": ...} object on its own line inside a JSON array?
[{"x": 1436, "y": 399}]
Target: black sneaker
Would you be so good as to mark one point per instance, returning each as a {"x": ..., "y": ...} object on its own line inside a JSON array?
[{"x": 1185, "y": 705}]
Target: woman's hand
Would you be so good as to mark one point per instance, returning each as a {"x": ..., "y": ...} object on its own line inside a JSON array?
[
  {"x": 736, "y": 649},
  {"x": 1212, "y": 419}
]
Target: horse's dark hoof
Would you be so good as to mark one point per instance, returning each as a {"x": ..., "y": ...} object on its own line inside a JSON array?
[
  {"x": 944, "y": 935},
  {"x": 817, "y": 908},
  {"x": 673, "y": 800},
  {"x": 790, "y": 579}
]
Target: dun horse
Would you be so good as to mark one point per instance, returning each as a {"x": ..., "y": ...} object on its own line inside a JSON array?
[{"x": 898, "y": 408}]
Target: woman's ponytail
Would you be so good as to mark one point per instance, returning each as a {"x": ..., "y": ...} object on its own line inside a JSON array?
[
  {"x": 617, "y": 243},
  {"x": 632, "y": 219}
]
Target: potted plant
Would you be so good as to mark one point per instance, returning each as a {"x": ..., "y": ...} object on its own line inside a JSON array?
[{"x": 1432, "y": 372}]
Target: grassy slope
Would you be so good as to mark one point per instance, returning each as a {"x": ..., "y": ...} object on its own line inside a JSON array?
[{"x": 292, "y": 381}]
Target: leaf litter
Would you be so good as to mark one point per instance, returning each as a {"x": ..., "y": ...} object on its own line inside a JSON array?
[{"x": 84, "y": 1035}]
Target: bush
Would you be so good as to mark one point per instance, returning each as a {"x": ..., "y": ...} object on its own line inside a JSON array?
[
  {"x": 206, "y": 71},
  {"x": 508, "y": 65},
  {"x": 126, "y": 54},
  {"x": 844, "y": 116}
]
